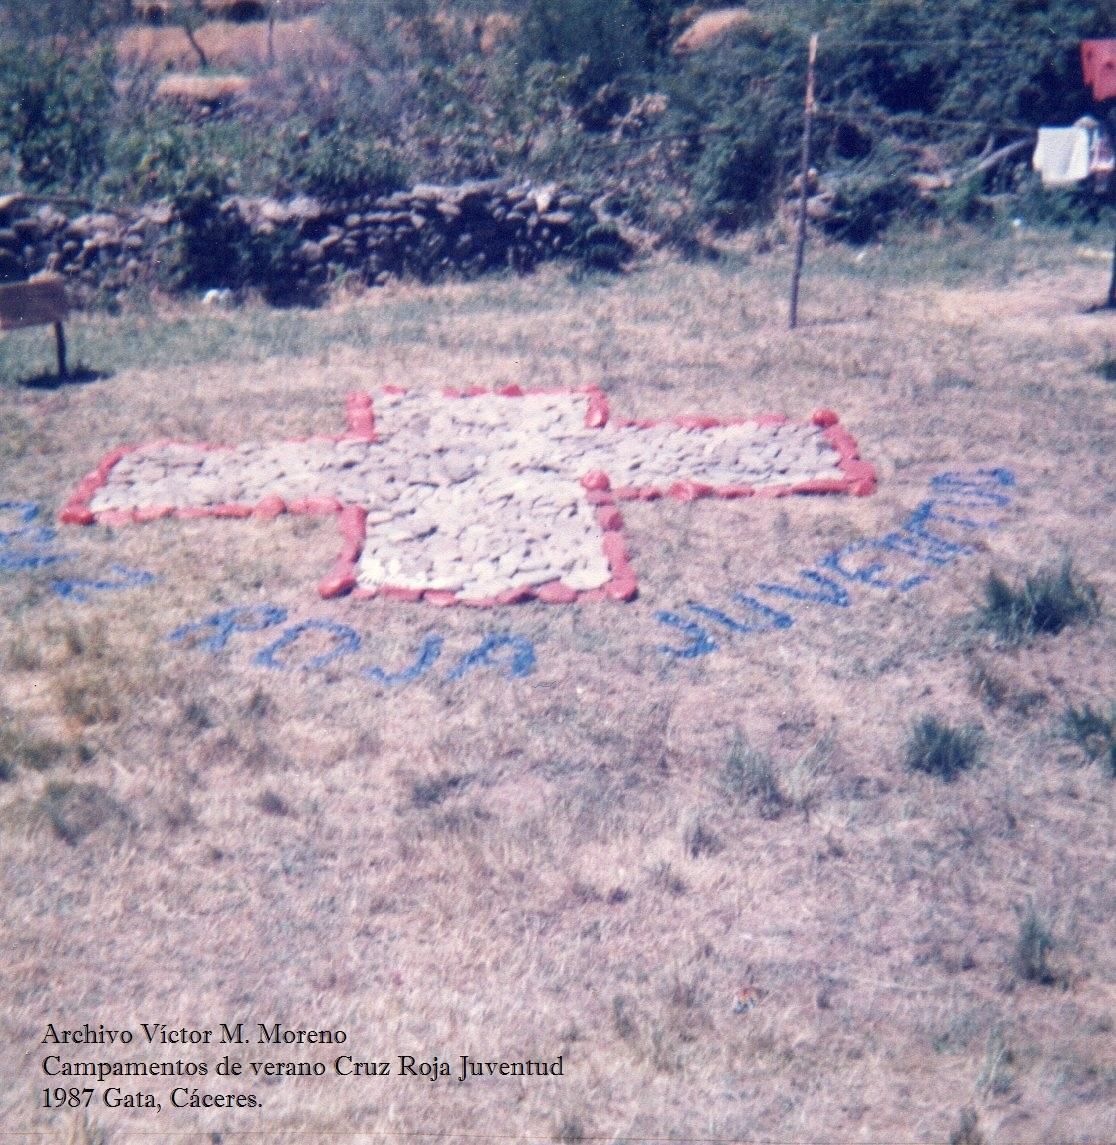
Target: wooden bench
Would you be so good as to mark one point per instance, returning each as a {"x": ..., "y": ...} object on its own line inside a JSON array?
[{"x": 40, "y": 301}]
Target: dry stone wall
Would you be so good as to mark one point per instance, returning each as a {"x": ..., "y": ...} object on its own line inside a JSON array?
[{"x": 300, "y": 247}]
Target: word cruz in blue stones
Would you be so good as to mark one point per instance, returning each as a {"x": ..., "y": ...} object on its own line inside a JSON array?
[
  {"x": 903, "y": 559},
  {"x": 510, "y": 654},
  {"x": 27, "y": 544}
]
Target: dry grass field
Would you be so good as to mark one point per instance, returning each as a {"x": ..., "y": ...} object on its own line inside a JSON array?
[
  {"x": 592, "y": 859},
  {"x": 227, "y": 45}
]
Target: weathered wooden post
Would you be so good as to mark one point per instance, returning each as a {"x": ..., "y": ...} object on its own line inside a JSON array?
[
  {"x": 804, "y": 191},
  {"x": 40, "y": 301}
]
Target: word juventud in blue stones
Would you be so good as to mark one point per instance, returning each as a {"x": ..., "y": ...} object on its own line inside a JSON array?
[
  {"x": 960, "y": 502},
  {"x": 513, "y": 654},
  {"x": 31, "y": 545}
]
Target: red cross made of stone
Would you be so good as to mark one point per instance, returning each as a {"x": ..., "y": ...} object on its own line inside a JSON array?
[{"x": 476, "y": 497}]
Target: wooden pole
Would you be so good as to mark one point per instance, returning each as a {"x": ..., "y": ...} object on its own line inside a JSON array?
[
  {"x": 804, "y": 192},
  {"x": 60, "y": 346}
]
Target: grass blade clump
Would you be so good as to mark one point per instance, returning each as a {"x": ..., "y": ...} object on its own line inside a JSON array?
[
  {"x": 938, "y": 749},
  {"x": 968, "y": 1131},
  {"x": 749, "y": 776},
  {"x": 1093, "y": 732},
  {"x": 1106, "y": 368},
  {"x": 1048, "y": 601},
  {"x": 1033, "y": 947}
]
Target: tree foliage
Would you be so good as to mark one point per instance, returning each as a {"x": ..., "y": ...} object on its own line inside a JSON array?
[
  {"x": 24, "y": 19},
  {"x": 901, "y": 83},
  {"x": 54, "y": 110}
]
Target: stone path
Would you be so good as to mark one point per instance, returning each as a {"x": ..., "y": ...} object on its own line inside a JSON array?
[{"x": 476, "y": 497}]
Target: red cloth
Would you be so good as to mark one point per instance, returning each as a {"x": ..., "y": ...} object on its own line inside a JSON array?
[{"x": 1098, "y": 64}]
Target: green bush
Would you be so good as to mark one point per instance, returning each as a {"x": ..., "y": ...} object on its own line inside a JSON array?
[
  {"x": 964, "y": 203},
  {"x": 865, "y": 205},
  {"x": 156, "y": 152},
  {"x": 54, "y": 114},
  {"x": 742, "y": 99},
  {"x": 740, "y": 172},
  {"x": 897, "y": 66},
  {"x": 205, "y": 237},
  {"x": 84, "y": 18},
  {"x": 157, "y": 155},
  {"x": 340, "y": 166},
  {"x": 215, "y": 247},
  {"x": 989, "y": 60},
  {"x": 613, "y": 39},
  {"x": 373, "y": 29}
]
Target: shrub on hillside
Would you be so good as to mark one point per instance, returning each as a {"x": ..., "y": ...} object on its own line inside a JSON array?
[
  {"x": 991, "y": 60},
  {"x": 340, "y": 165},
  {"x": 899, "y": 68},
  {"x": 30, "y": 18},
  {"x": 215, "y": 247},
  {"x": 740, "y": 172},
  {"x": 868, "y": 200},
  {"x": 158, "y": 154},
  {"x": 373, "y": 30},
  {"x": 54, "y": 111},
  {"x": 743, "y": 102},
  {"x": 610, "y": 41}
]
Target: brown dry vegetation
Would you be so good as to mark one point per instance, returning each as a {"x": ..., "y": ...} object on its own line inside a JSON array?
[
  {"x": 303, "y": 40},
  {"x": 562, "y": 864},
  {"x": 229, "y": 45},
  {"x": 203, "y": 89},
  {"x": 710, "y": 27}
]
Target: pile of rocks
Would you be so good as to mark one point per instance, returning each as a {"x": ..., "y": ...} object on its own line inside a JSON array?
[
  {"x": 427, "y": 233},
  {"x": 102, "y": 251}
]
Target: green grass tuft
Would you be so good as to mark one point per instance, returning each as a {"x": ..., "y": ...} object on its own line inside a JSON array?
[
  {"x": 938, "y": 749},
  {"x": 1033, "y": 946},
  {"x": 699, "y": 840},
  {"x": 1048, "y": 601},
  {"x": 20, "y": 748},
  {"x": 968, "y": 1129},
  {"x": 1093, "y": 732},
  {"x": 749, "y": 776},
  {"x": 75, "y": 810}
]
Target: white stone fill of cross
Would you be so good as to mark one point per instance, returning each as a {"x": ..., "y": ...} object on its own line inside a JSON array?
[{"x": 476, "y": 497}]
